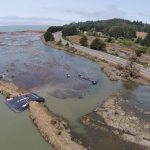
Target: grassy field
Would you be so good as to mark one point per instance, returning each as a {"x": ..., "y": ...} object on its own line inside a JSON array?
[
  {"x": 121, "y": 42},
  {"x": 76, "y": 39},
  {"x": 127, "y": 43},
  {"x": 122, "y": 47}
]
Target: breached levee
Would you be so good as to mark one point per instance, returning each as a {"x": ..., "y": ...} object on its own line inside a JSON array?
[
  {"x": 8, "y": 89},
  {"x": 116, "y": 116},
  {"x": 52, "y": 128}
]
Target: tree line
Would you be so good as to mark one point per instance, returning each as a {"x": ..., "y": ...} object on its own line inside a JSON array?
[
  {"x": 105, "y": 25},
  {"x": 116, "y": 28}
]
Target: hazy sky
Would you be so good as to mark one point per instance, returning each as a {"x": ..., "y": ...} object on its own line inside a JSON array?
[{"x": 51, "y": 12}]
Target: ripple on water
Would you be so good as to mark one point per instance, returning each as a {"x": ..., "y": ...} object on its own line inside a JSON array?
[{"x": 43, "y": 70}]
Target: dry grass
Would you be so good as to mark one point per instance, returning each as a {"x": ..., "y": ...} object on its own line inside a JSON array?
[
  {"x": 76, "y": 39},
  {"x": 10, "y": 90},
  {"x": 141, "y": 34}
]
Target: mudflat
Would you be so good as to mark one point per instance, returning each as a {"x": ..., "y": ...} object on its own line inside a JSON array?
[{"x": 115, "y": 115}]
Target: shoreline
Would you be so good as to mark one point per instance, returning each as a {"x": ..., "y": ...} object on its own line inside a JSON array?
[
  {"x": 131, "y": 129},
  {"x": 114, "y": 72},
  {"x": 21, "y": 31},
  {"x": 52, "y": 128},
  {"x": 113, "y": 115},
  {"x": 8, "y": 89}
]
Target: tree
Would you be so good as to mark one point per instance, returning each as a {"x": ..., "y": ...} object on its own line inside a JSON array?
[
  {"x": 130, "y": 32},
  {"x": 48, "y": 36},
  {"x": 122, "y": 32},
  {"x": 146, "y": 40},
  {"x": 54, "y": 29},
  {"x": 116, "y": 32},
  {"x": 127, "y": 28},
  {"x": 69, "y": 30},
  {"x": 98, "y": 44},
  {"x": 84, "y": 41}
]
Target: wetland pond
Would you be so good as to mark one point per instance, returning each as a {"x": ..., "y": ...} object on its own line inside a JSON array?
[{"x": 29, "y": 64}]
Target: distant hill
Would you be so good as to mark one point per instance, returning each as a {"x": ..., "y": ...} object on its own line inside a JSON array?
[
  {"x": 117, "y": 28},
  {"x": 105, "y": 25}
]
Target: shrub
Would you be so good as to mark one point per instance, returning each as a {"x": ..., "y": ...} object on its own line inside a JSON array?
[
  {"x": 140, "y": 51},
  {"x": 84, "y": 41},
  {"x": 126, "y": 42},
  {"x": 130, "y": 69},
  {"x": 109, "y": 40},
  {"x": 138, "y": 40},
  {"x": 53, "y": 122},
  {"x": 59, "y": 42},
  {"x": 6, "y": 94},
  {"x": 98, "y": 44},
  {"x": 67, "y": 44},
  {"x": 116, "y": 54}
]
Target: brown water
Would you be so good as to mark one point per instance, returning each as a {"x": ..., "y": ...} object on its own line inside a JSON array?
[
  {"x": 32, "y": 65},
  {"x": 17, "y": 131}
]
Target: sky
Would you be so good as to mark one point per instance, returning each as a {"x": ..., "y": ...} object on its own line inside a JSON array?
[{"x": 59, "y": 12}]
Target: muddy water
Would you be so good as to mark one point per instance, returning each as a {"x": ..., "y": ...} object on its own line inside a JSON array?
[
  {"x": 17, "y": 131},
  {"x": 32, "y": 65}
]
